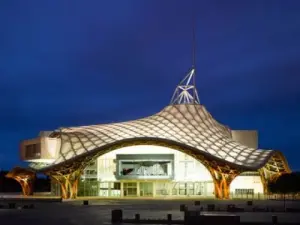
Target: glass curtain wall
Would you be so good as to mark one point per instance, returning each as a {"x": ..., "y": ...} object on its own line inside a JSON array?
[
  {"x": 180, "y": 189},
  {"x": 88, "y": 187},
  {"x": 92, "y": 187}
]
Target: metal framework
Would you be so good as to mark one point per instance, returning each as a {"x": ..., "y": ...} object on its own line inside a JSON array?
[
  {"x": 25, "y": 177},
  {"x": 186, "y": 91}
]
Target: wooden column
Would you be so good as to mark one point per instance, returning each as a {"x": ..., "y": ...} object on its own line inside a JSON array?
[
  {"x": 25, "y": 177},
  {"x": 68, "y": 183},
  {"x": 26, "y": 184},
  {"x": 222, "y": 181}
]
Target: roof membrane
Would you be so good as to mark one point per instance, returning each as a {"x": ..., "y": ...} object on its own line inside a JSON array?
[{"x": 187, "y": 124}]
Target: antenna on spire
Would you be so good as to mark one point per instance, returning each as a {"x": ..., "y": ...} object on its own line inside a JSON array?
[
  {"x": 194, "y": 44},
  {"x": 186, "y": 91},
  {"x": 194, "y": 54}
]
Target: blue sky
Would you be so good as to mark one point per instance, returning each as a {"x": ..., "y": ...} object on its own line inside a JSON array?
[{"x": 68, "y": 63}]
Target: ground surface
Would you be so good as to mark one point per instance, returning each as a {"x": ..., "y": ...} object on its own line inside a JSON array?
[{"x": 99, "y": 211}]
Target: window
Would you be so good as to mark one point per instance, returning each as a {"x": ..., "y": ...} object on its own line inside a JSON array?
[
  {"x": 249, "y": 174},
  {"x": 116, "y": 186},
  {"x": 91, "y": 164},
  {"x": 143, "y": 166},
  {"x": 146, "y": 168},
  {"x": 244, "y": 191},
  {"x": 33, "y": 150},
  {"x": 88, "y": 173},
  {"x": 91, "y": 172}
]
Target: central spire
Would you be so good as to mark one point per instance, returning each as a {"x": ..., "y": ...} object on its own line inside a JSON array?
[{"x": 186, "y": 91}]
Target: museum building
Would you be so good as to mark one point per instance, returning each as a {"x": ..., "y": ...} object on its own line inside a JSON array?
[{"x": 181, "y": 151}]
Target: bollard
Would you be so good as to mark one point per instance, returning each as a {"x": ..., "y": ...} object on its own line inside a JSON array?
[
  {"x": 169, "y": 217},
  {"x": 116, "y": 216},
  {"x": 211, "y": 207},
  {"x": 274, "y": 220},
  {"x": 182, "y": 208},
  {"x": 191, "y": 217},
  {"x": 218, "y": 219},
  {"x": 137, "y": 217},
  {"x": 249, "y": 203},
  {"x": 197, "y": 202},
  {"x": 237, "y": 219},
  {"x": 11, "y": 205},
  {"x": 85, "y": 202}
]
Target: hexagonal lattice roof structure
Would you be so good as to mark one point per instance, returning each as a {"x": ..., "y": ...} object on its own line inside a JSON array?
[
  {"x": 184, "y": 122},
  {"x": 188, "y": 124}
]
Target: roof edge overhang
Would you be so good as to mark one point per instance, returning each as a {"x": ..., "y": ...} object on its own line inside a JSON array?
[
  {"x": 155, "y": 141},
  {"x": 283, "y": 158}
]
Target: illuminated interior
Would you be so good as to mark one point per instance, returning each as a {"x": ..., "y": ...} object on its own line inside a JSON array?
[{"x": 182, "y": 175}]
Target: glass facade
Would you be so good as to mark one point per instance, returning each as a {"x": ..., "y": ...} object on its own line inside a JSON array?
[
  {"x": 157, "y": 172},
  {"x": 90, "y": 187},
  {"x": 146, "y": 171}
]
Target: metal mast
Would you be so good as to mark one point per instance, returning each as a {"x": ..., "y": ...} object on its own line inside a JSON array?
[
  {"x": 194, "y": 57},
  {"x": 186, "y": 91}
]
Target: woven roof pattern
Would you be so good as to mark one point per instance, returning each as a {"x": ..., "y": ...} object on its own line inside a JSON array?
[{"x": 188, "y": 124}]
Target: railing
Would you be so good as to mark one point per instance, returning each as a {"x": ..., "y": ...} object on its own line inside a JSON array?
[
  {"x": 89, "y": 176},
  {"x": 261, "y": 196}
]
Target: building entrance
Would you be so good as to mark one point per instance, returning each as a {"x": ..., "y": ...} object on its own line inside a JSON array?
[{"x": 129, "y": 189}]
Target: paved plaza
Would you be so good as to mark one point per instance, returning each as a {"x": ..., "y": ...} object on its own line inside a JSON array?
[{"x": 99, "y": 211}]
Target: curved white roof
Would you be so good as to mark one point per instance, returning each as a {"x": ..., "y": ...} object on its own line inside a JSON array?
[{"x": 187, "y": 124}]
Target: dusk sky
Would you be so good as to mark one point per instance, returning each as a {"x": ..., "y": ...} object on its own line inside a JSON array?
[{"x": 68, "y": 63}]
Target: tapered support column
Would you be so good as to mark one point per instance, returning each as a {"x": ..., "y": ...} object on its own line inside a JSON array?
[
  {"x": 222, "y": 183},
  {"x": 25, "y": 178},
  {"x": 266, "y": 178},
  {"x": 273, "y": 168},
  {"x": 68, "y": 183},
  {"x": 26, "y": 184}
]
